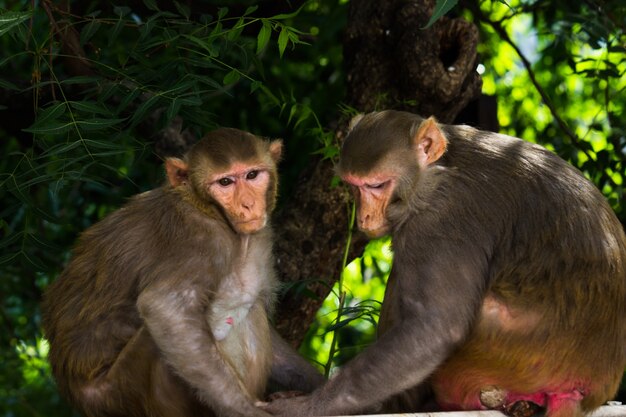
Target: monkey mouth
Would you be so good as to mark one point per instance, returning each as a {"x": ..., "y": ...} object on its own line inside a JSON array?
[
  {"x": 376, "y": 233},
  {"x": 250, "y": 225}
]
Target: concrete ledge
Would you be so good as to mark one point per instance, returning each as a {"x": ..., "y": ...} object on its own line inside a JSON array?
[{"x": 606, "y": 411}]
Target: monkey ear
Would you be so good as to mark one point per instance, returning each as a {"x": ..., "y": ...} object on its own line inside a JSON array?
[
  {"x": 177, "y": 171},
  {"x": 355, "y": 121},
  {"x": 276, "y": 149},
  {"x": 430, "y": 142}
]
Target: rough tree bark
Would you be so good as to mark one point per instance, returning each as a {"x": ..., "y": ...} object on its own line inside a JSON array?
[{"x": 390, "y": 62}]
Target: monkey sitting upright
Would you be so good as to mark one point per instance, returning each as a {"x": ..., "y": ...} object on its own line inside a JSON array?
[{"x": 163, "y": 309}]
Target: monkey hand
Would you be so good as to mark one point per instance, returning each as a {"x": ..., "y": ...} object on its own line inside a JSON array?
[
  {"x": 291, "y": 406},
  {"x": 284, "y": 394}
]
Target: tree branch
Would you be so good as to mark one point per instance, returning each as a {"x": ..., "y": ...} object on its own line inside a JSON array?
[{"x": 501, "y": 31}]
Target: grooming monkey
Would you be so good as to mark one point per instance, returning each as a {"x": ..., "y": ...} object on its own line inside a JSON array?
[{"x": 508, "y": 283}]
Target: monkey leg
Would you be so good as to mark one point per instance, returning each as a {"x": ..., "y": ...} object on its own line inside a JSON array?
[
  {"x": 138, "y": 384},
  {"x": 564, "y": 404}
]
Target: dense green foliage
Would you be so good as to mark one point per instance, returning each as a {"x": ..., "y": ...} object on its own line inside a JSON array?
[
  {"x": 77, "y": 137},
  {"x": 558, "y": 73}
]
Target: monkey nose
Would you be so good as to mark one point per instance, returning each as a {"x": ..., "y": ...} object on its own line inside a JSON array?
[
  {"x": 364, "y": 221},
  {"x": 247, "y": 204}
]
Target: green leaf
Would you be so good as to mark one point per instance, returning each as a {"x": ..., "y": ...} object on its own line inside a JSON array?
[
  {"x": 283, "y": 39},
  {"x": 250, "y": 10},
  {"x": 11, "y": 237},
  {"x": 232, "y": 77},
  {"x": 270, "y": 95},
  {"x": 263, "y": 37},
  {"x": 305, "y": 112},
  {"x": 329, "y": 151},
  {"x": 183, "y": 10},
  {"x": 88, "y": 31},
  {"x": 292, "y": 113},
  {"x": 55, "y": 127},
  {"x": 235, "y": 32},
  {"x": 151, "y": 5},
  {"x": 10, "y": 20},
  {"x": 172, "y": 110},
  {"x": 128, "y": 98},
  {"x": 80, "y": 80},
  {"x": 507, "y": 5},
  {"x": 339, "y": 325},
  {"x": 121, "y": 11},
  {"x": 116, "y": 31},
  {"x": 293, "y": 37},
  {"x": 7, "y": 85},
  {"x": 255, "y": 86},
  {"x": 89, "y": 107},
  {"x": 42, "y": 243},
  {"x": 217, "y": 30},
  {"x": 206, "y": 44},
  {"x": 97, "y": 123},
  {"x": 140, "y": 113},
  {"x": 146, "y": 28},
  {"x": 441, "y": 8},
  {"x": 50, "y": 114},
  {"x": 284, "y": 16},
  {"x": 223, "y": 11},
  {"x": 206, "y": 19}
]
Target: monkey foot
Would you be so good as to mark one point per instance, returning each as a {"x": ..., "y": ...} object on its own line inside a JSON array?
[
  {"x": 496, "y": 399},
  {"x": 522, "y": 409},
  {"x": 530, "y": 405}
]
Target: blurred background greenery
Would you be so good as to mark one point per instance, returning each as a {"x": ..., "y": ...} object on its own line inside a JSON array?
[{"x": 79, "y": 134}]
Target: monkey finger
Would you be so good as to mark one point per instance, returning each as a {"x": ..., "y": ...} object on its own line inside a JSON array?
[
  {"x": 288, "y": 406},
  {"x": 284, "y": 394}
]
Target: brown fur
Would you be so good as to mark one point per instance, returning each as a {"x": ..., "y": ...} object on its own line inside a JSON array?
[
  {"x": 509, "y": 273},
  {"x": 130, "y": 322}
]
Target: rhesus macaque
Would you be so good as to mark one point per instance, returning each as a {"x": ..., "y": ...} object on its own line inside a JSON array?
[
  {"x": 163, "y": 309},
  {"x": 508, "y": 283}
]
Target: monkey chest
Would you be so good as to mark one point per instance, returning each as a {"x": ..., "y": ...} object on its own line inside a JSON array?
[
  {"x": 237, "y": 318},
  {"x": 238, "y": 291}
]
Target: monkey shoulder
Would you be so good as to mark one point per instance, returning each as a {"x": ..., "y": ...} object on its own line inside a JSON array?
[
  {"x": 510, "y": 172},
  {"x": 498, "y": 184},
  {"x": 158, "y": 235},
  {"x": 511, "y": 158}
]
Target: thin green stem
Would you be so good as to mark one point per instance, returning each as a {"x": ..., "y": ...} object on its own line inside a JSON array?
[{"x": 342, "y": 293}]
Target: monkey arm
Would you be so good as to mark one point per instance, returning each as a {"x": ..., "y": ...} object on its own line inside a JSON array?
[
  {"x": 174, "y": 317},
  {"x": 436, "y": 299},
  {"x": 395, "y": 363},
  {"x": 290, "y": 370}
]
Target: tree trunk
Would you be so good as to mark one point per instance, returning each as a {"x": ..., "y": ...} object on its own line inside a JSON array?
[{"x": 390, "y": 62}]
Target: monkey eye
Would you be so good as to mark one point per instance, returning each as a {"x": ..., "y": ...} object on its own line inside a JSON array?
[
  {"x": 225, "y": 182},
  {"x": 377, "y": 186},
  {"x": 252, "y": 175}
]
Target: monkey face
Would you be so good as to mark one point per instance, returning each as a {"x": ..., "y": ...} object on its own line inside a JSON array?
[
  {"x": 372, "y": 195},
  {"x": 233, "y": 171},
  {"x": 241, "y": 191}
]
